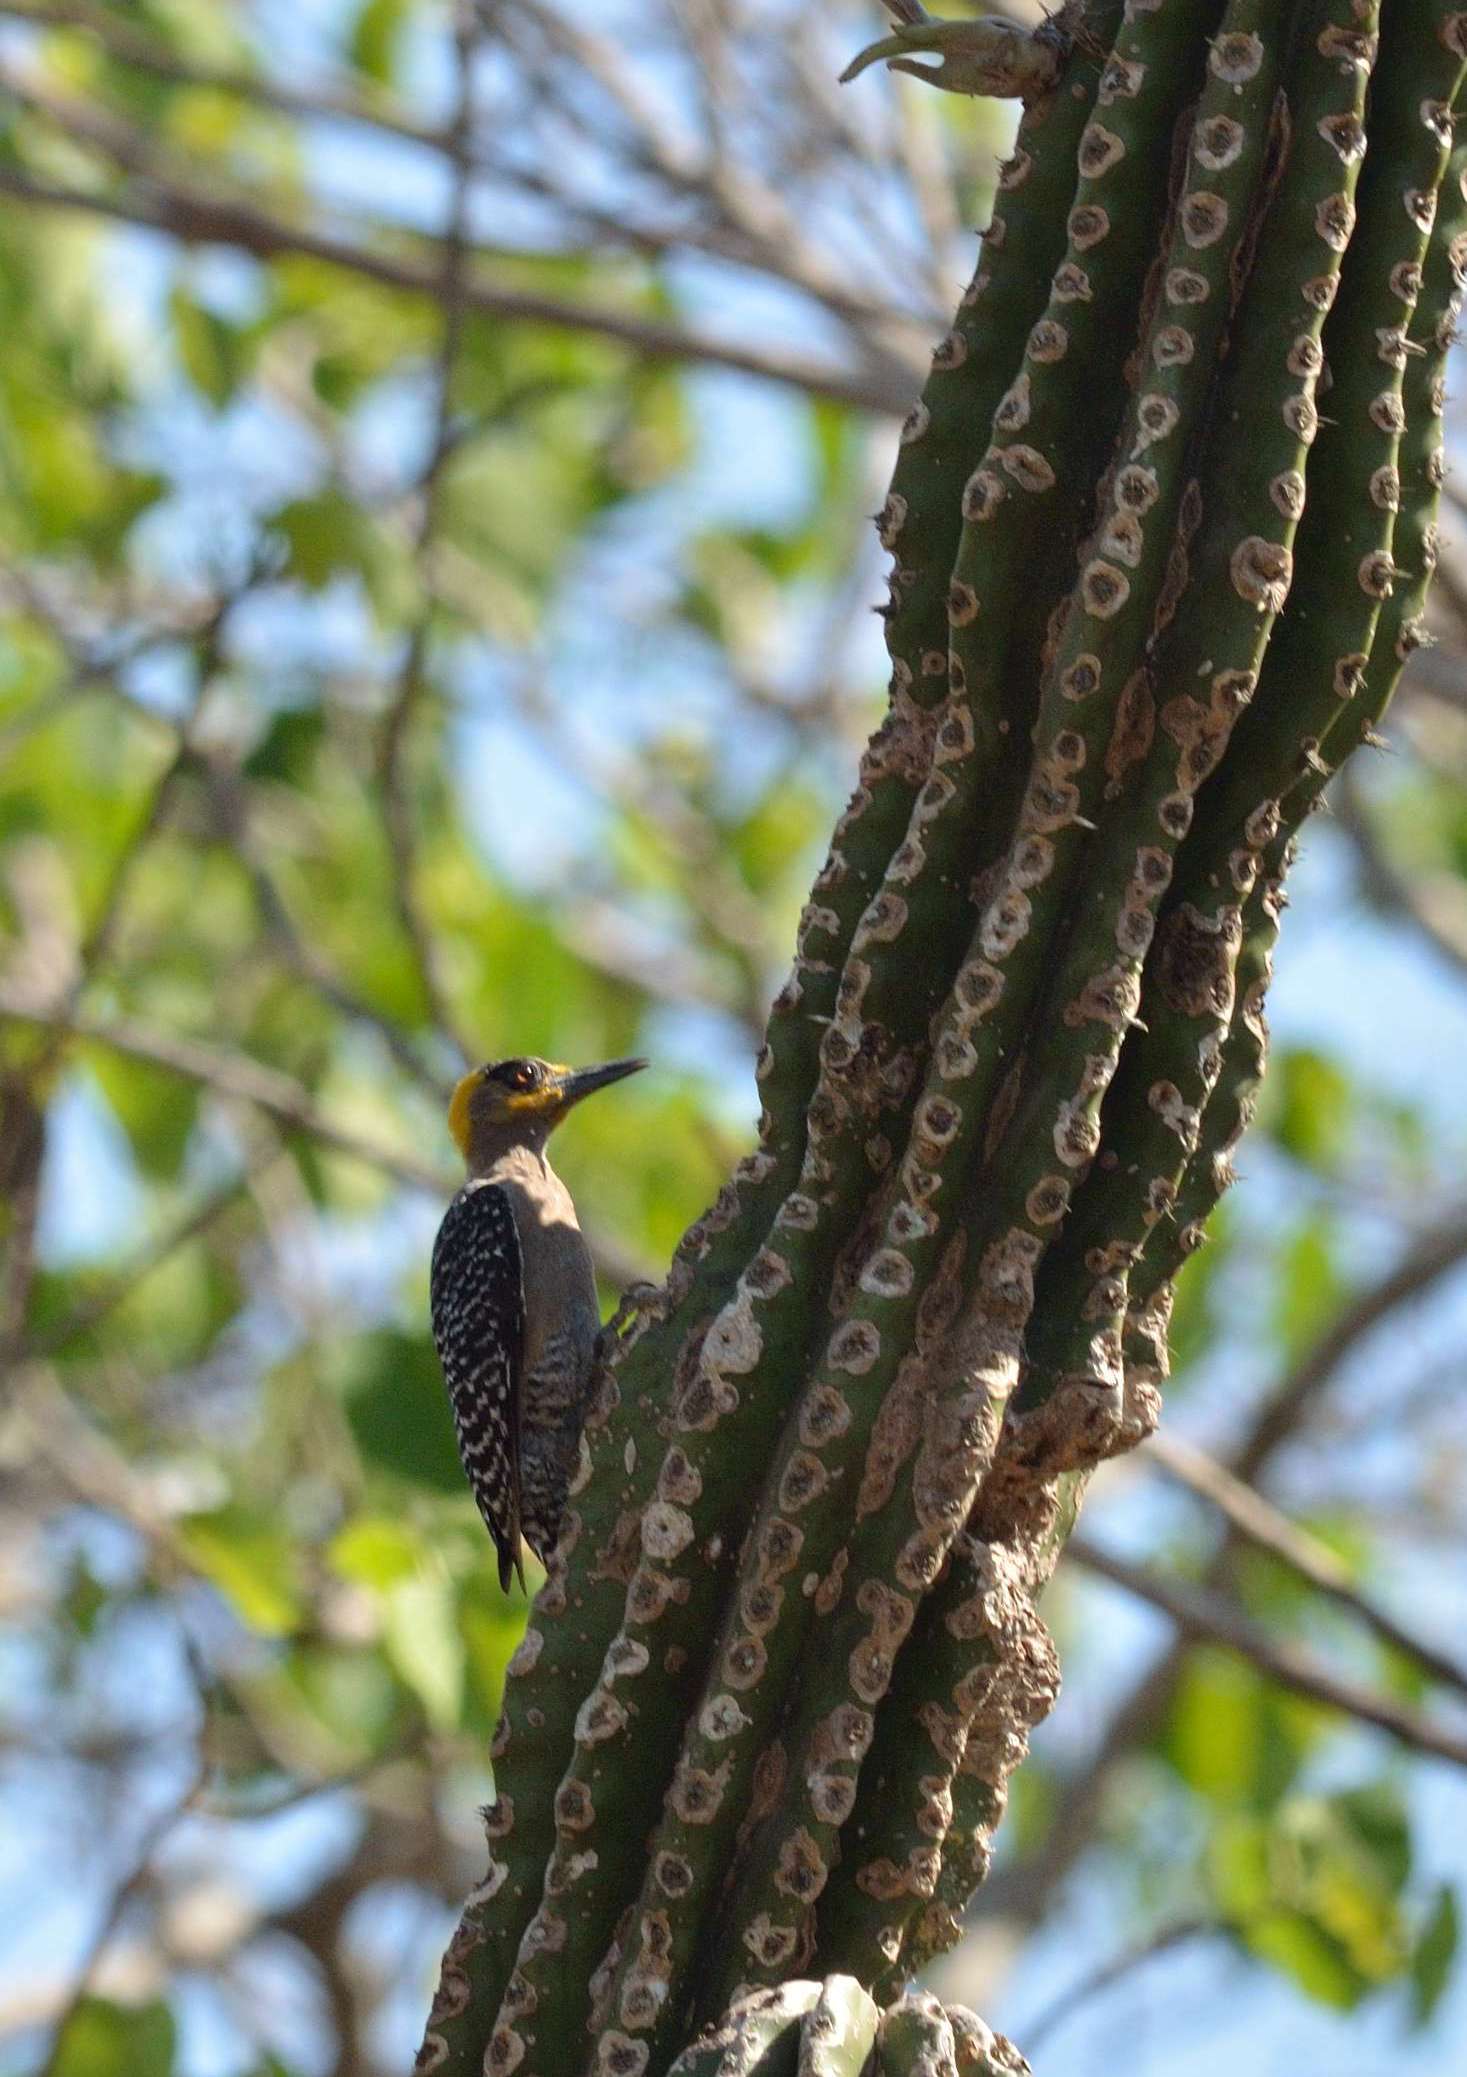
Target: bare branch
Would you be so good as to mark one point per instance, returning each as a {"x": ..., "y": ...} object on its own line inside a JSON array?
[
  {"x": 90, "y": 1312},
  {"x": 130, "y": 45},
  {"x": 743, "y": 209},
  {"x": 1111, "y": 1972},
  {"x": 1205, "y": 1617},
  {"x": 886, "y": 387},
  {"x": 1024, "y": 1889},
  {"x": 1269, "y": 1529},
  {"x": 232, "y": 1075},
  {"x": 739, "y": 226},
  {"x": 393, "y": 778},
  {"x": 153, "y": 1837},
  {"x": 1435, "y": 1255}
]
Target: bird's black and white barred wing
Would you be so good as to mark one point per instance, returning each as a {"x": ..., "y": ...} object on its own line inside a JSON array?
[{"x": 477, "y": 1293}]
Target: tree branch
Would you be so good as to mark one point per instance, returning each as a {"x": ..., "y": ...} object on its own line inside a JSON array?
[
  {"x": 749, "y": 225},
  {"x": 886, "y": 387},
  {"x": 1204, "y": 1617},
  {"x": 130, "y": 45},
  {"x": 1113, "y": 1971},
  {"x": 231, "y": 1075},
  {"x": 392, "y": 773},
  {"x": 235, "y": 1075},
  {"x": 1439, "y": 1251},
  {"x": 153, "y": 1837},
  {"x": 1023, "y": 1889},
  {"x": 1269, "y": 1529}
]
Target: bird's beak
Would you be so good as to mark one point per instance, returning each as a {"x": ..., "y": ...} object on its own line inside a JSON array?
[{"x": 584, "y": 1081}]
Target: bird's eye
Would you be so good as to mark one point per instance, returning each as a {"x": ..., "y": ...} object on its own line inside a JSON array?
[{"x": 525, "y": 1076}]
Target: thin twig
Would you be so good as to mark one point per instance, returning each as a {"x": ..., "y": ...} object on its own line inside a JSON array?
[
  {"x": 883, "y": 386},
  {"x": 392, "y": 773},
  {"x": 1109, "y": 1973},
  {"x": 1268, "y": 1528},
  {"x": 742, "y": 199},
  {"x": 135, "y": 47},
  {"x": 1024, "y": 1889},
  {"x": 1434, "y": 1255},
  {"x": 90, "y": 1312},
  {"x": 1209, "y": 1618},
  {"x": 153, "y": 1837},
  {"x": 236, "y": 1076},
  {"x": 229, "y": 1074}
]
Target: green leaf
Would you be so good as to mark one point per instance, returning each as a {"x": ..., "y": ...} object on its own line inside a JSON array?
[
  {"x": 422, "y": 1641},
  {"x": 106, "y": 2040},
  {"x": 365, "y": 330},
  {"x": 1311, "y": 1107},
  {"x": 1215, "y": 1732},
  {"x": 1315, "y": 1888},
  {"x": 375, "y": 1552},
  {"x": 1301, "y": 1948},
  {"x": 173, "y": 1314},
  {"x": 342, "y": 1706},
  {"x": 322, "y": 534},
  {"x": 397, "y": 1405},
  {"x": 1377, "y": 1817},
  {"x": 1433, "y": 1955},
  {"x": 86, "y": 1598},
  {"x": 203, "y": 33},
  {"x": 1230, "y": 1736},
  {"x": 1307, "y": 1288},
  {"x": 374, "y": 34},
  {"x": 329, "y": 536},
  {"x": 782, "y": 824},
  {"x": 287, "y": 750},
  {"x": 155, "y": 1109},
  {"x": 1238, "y": 1868},
  {"x": 491, "y": 1624},
  {"x": 212, "y": 350},
  {"x": 252, "y": 1562}
]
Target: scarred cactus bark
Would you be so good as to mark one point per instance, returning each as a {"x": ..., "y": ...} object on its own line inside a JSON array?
[
  {"x": 1145, "y": 598},
  {"x": 832, "y": 2029}
]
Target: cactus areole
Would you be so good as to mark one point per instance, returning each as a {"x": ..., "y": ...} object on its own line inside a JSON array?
[{"x": 1145, "y": 598}]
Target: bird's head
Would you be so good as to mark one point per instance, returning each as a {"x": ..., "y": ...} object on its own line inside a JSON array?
[{"x": 521, "y": 1101}]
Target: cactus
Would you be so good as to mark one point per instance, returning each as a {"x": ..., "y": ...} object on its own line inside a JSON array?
[
  {"x": 832, "y": 2029},
  {"x": 1143, "y": 603}
]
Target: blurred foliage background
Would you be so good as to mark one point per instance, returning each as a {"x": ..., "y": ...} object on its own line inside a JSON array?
[{"x": 436, "y": 448}]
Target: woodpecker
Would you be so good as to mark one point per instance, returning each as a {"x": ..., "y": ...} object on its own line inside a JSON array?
[{"x": 513, "y": 1297}]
